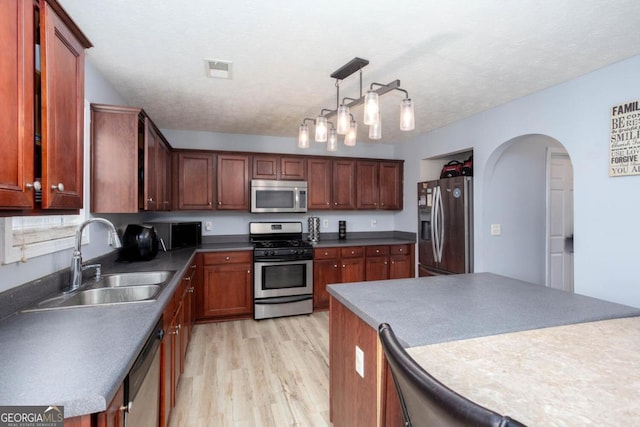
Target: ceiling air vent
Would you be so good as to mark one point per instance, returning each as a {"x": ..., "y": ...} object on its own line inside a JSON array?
[{"x": 218, "y": 69}]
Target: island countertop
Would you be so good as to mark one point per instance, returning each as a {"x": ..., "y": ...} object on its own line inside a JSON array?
[
  {"x": 438, "y": 309},
  {"x": 572, "y": 375}
]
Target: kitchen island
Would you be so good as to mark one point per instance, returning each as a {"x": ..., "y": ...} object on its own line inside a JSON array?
[{"x": 429, "y": 311}]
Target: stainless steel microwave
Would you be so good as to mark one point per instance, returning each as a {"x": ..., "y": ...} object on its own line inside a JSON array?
[{"x": 278, "y": 196}]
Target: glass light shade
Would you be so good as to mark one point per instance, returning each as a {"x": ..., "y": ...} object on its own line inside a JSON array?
[
  {"x": 407, "y": 120},
  {"x": 303, "y": 136},
  {"x": 371, "y": 108},
  {"x": 343, "y": 119},
  {"x": 375, "y": 130},
  {"x": 332, "y": 143},
  {"x": 350, "y": 137},
  {"x": 321, "y": 129}
]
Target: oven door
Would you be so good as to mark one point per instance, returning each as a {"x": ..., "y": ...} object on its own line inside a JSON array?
[{"x": 282, "y": 278}]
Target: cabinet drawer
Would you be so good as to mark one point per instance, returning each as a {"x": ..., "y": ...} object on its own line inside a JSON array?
[
  {"x": 326, "y": 253},
  {"x": 352, "y": 252},
  {"x": 399, "y": 249},
  {"x": 377, "y": 250},
  {"x": 210, "y": 258}
]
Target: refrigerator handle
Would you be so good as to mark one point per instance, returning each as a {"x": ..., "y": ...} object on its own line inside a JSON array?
[
  {"x": 434, "y": 224},
  {"x": 440, "y": 224}
]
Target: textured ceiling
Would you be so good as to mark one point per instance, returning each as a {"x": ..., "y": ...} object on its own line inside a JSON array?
[{"x": 455, "y": 57}]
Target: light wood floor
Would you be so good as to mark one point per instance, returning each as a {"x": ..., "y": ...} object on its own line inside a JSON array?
[{"x": 272, "y": 372}]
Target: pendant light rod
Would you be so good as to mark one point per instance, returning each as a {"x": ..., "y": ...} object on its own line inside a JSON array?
[{"x": 380, "y": 91}]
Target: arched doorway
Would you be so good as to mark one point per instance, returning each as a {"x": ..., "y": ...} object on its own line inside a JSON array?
[{"x": 517, "y": 218}]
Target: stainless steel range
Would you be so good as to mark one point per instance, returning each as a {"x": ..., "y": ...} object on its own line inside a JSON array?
[{"x": 283, "y": 270}]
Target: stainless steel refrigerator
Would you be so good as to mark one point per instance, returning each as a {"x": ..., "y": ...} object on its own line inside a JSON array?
[{"x": 445, "y": 226}]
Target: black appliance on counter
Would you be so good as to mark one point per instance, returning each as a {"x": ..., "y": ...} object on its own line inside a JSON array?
[
  {"x": 175, "y": 235},
  {"x": 283, "y": 270},
  {"x": 139, "y": 243}
]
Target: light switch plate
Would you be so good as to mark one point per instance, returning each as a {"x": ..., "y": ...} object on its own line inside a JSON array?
[
  {"x": 208, "y": 225},
  {"x": 495, "y": 229},
  {"x": 325, "y": 223},
  {"x": 359, "y": 361}
]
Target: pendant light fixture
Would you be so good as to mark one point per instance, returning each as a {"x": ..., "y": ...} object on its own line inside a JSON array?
[{"x": 345, "y": 123}]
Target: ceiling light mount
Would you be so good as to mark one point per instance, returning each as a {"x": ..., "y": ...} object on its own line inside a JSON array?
[{"x": 346, "y": 124}]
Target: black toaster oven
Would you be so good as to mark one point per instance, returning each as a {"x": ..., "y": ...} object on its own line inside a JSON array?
[{"x": 175, "y": 235}]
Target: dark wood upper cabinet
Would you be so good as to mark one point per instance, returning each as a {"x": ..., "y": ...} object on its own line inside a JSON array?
[
  {"x": 41, "y": 111},
  {"x": 320, "y": 177},
  {"x": 194, "y": 180},
  {"x": 368, "y": 184},
  {"x": 16, "y": 105},
  {"x": 233, "y": 181},
  {"x": 379, "y": 184},
  {"x": 344, "y": 184},
  {"x": 271, "y": 166},
  {"x": 391, "y": 185},
  {"x": 129, "y": 157},
  {"x": 62, "y": 83}
]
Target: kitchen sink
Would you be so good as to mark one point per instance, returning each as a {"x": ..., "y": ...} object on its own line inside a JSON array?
[
  {"x": 135, "y": 279},
  {"x": 117, "y": 288}
]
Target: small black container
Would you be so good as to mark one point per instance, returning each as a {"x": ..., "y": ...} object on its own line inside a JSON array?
[
  {"x": 139, "y": 243},
  {"x": 342, "y": 230}
]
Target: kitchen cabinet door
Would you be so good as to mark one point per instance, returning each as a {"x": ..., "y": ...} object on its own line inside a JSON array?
[
  {"x": 391, "y": 185},
  {"x": 368, "y": 184},
  {"x": 41, "y": 111},
  {"x": 320, "y": 178},
  {"x": 227, "y": 285},
  {"x": 353, "y": 270},
  {"x": 16, "y": 105},
  {"x": 62, "y": 82},
  {"x": 377, "y": 268},
  {"x": 265, "y": 167},
  {"x": 325, "y": 272},
  {"x": 233, "y": 182},
  {"x": 293, "y": 168},
  {"x": 163, "y": 175},
  {"x": 401, "y": 262},
  {"x": 344, "y": 184},
  {"x": 151, "y": 148},
  {"x": 195, "y": 180}
]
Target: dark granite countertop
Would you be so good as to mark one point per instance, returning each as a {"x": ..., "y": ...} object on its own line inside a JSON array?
[{"x": 438, "y": 309}]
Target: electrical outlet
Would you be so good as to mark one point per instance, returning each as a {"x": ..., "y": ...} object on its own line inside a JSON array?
[
  {"x": 359, "y": 361},
  {"x": 495, "y": 229},
  {"x": 374, "y": 223},
  {"x": 325, "y": 223},
  {"x": 208, "y": 225}
]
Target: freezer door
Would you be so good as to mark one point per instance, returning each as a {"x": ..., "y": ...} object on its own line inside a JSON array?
[
  {"x": 456, "y": 224},
  {"x": 426, "y": 254}
]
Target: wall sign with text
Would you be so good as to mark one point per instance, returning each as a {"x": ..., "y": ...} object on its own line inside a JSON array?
[{"x": 624, "y": 156}]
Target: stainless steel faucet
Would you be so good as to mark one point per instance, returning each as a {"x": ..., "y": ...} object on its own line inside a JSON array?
[{"x": 75, "y": 279}]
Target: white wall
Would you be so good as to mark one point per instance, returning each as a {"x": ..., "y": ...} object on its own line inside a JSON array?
[{"x": 576, "y": 114}]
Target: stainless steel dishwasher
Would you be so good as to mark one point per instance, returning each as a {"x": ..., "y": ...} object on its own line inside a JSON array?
[{"x": 142, "y": 386}]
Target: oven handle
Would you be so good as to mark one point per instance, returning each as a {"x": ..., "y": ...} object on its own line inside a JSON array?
[
  {"x": 282, "y": 300},
  {"x": 275, "y": 261}
]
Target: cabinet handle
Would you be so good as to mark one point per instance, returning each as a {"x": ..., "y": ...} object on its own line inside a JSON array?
[
  {"x": 209, "y": 203},
  {"x": 335, "y": 203},
  {"x": 59, "y": 187},
  {"x": 248, "y": 271},
  {"x": 343, "y": 266},
  {"x": 227, "y": 258},
  {"x": 377, "y": 251},
  {"x": 381, "y": 204},
  {"x": 385, "y": 263},
  {"x": 327, "y": 203},
  {"x": 150, "y": 199},
  {"x": 335, "y": 266},
  {"x": 127, "y": 407},
  {"x": 34, "y": 186},
  {"x": 191, "y": 290},
  {"x": 219, "y": 203},
  {"x": 401, "y": 250}
]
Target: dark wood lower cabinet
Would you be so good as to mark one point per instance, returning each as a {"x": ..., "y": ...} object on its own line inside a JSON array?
[
  {"x": 227, "y": 286},
  {"x": 358, "y": 264}
]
